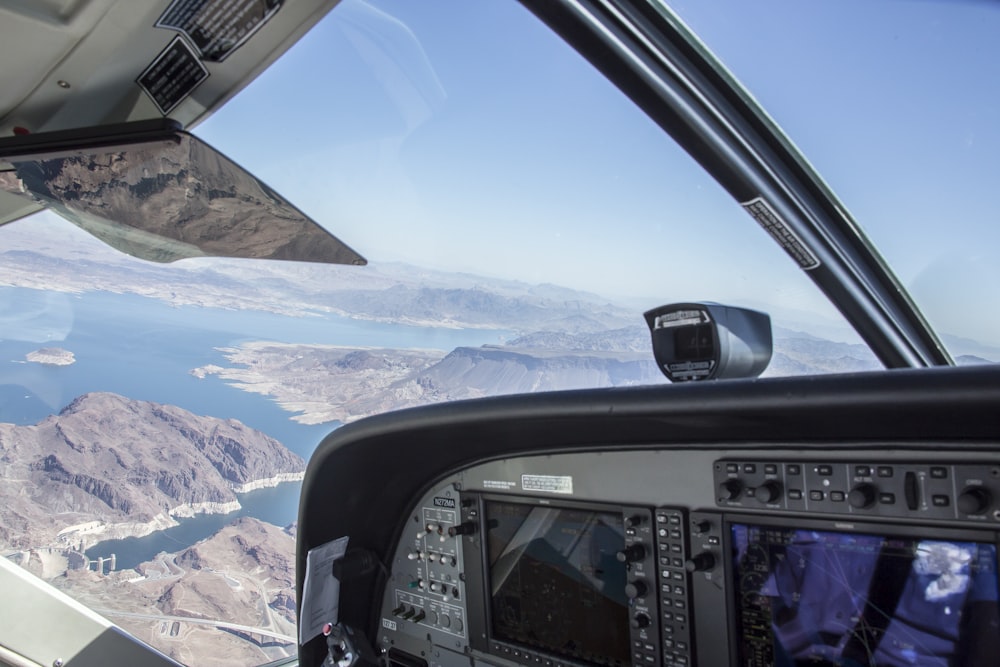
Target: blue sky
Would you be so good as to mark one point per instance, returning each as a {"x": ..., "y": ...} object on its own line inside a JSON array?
[{"x": 465, "y": 136}]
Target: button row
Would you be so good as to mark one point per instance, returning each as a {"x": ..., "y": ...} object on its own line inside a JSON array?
[
  {"x": 793, "y": 469},
  {"x": 528, "y": 657},
  {"x": 673, "y": 587},
  {"x": 643, "y": 652}
]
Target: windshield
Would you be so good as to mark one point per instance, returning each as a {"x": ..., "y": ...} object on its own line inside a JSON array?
[
  {"x": 519, "y": 215},
  {"x": 895, "y": 104}
]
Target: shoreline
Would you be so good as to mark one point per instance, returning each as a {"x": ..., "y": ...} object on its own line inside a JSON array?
[{"x": 112, "y": 532}]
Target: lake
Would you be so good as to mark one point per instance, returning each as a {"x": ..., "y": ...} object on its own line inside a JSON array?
[{"x": 144, "y": 349}]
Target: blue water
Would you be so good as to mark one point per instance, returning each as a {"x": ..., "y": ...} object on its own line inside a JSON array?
[
  {"x": 144, "y": 349},
  {"x": 278, "y": 506}
]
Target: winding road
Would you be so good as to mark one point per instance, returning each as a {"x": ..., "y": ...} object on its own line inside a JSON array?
[{"x": 200, "y": 621}]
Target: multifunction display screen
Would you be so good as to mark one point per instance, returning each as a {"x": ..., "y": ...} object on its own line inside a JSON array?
[
  {"x": 556, "y": 584},
  {"x": 814, "y": 597}
]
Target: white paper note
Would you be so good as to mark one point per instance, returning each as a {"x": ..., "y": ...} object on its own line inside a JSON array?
[{"x": 320, "y": 590}]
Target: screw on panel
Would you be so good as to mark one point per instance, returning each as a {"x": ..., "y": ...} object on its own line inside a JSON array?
[
  {"x": 58, "y": 662},
  {"x": 62, "y": 84}
]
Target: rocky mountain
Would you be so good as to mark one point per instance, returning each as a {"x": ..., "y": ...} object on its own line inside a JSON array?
[
  {"x": 109, "y": 467},
  {"x": 326, "y": 383},
  {"x": 247, "y": 545},
  {"x": 799, "y": 353},
  {"x": 244, "y": 574},
  {"x": 494, "y": 370},
  {"x": 630, "y": 339},
  {"x": 970, "y": 360},
  {"x": 476, "y": 306}
]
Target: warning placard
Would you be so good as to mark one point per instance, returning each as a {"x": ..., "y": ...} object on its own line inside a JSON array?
[
  {"x": 548, "y": 483},
  {"x": 218, "y": 27},
  {"x": 780, "y": 232},
  {"x": 173, "y": 75}
]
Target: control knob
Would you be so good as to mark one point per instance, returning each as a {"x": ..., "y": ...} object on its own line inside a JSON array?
[
  {"x": 631, "y": 553},
  {"x": 701, "y": 562},
  {"x": 768, "y": 492},
  {"x": 973, "y": 500},
  {"x": 640, "y": 621},
  {"x": 730, "y": 489},
  {"x": 635, "y": 589},
  {"x": 862, "y": 496}
]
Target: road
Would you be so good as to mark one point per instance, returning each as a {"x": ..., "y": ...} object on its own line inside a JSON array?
[{"x": 200, "y": 621}]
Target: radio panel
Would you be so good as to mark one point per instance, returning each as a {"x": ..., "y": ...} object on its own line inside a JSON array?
[{"x": 931, "y": 491}]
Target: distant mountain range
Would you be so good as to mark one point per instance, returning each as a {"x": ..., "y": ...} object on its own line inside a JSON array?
[
  {"x": 48, "y": 253},
  {"x": 110, "y": 467},
  {"x": 326, "y": 383},
  {"x": 51, "y": 254}
]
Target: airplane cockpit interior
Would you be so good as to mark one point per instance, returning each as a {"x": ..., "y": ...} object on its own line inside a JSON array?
[{"x": 690, "y": 472}]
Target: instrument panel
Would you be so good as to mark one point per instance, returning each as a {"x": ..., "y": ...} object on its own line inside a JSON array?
[
  {"x": 745, "y": 522},
  {"x": 700, "y": 557}
]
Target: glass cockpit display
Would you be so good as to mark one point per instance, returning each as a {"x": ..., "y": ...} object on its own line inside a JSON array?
[
  {"x": 556, "y": 584},
  {"x": 815, "y": 597}
]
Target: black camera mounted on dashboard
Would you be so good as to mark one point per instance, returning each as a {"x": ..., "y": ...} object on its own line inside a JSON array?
[{"x": 709, "y": 341}]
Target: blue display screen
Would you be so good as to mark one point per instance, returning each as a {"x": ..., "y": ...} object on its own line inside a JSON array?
[{"x": 815, "y": 597}]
